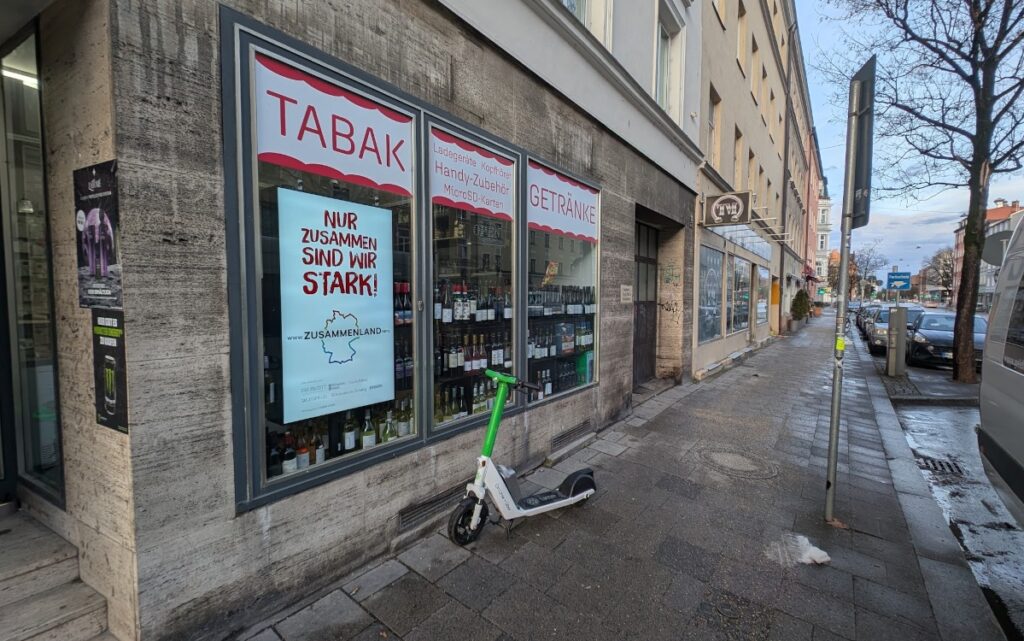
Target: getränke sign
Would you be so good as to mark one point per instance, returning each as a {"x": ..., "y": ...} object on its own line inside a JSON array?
[
  {"x": 560, "y": 205},
  {"x": 306, "y": 123},
  {"x": 727, "y": 209}
]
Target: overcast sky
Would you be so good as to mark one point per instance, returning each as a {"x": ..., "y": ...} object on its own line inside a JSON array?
[{"x": 908, "y": 232}]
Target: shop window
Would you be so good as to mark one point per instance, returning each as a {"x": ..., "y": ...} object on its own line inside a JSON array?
[
  {"x": 737, "y": 295},
  {"x": 764, "y": 285},
  {"x": 30, "y": 293},
  {"x": 709, "y": 311},
  {"x": 562, "y": 295},
  {"x": 335, "y": 274},
  {"x": 472, "y": 268}
]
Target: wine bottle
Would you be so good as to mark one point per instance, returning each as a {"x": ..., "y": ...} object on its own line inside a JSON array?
[
  {"x": 388, "y": 431},
  {"x": 350, "y": 432},
  {"x": 368, "y": 437},
  {"x": 404, "y": 428},
  {"x": 288, "y": 463},
  {"x": 302, "y": 454},
  {"x": 447, "y": 312}
]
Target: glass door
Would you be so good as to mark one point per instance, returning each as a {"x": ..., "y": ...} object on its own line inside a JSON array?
[{"x": 30, "y": 408}]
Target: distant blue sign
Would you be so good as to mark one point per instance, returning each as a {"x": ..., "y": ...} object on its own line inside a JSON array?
[{"x": 899, "y": 281}]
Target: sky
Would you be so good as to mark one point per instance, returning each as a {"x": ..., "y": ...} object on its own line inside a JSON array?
[{"x": 907, "y": 231}]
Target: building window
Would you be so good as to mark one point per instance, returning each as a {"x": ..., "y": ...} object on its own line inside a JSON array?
[
  {"x": 714, "y": 137},
  {"x": 822, "y": 241},
  {"x": 709, "y": 311},
  {"x": 663, "y": 66},
  {"x": 562, "y": 284},
  {"x": 752, "y": 175},
  {"x": 737, "y": 155},
  {"x": 472, "y": 268},
  {"x": 737, "y": 292},
  {"x": 668, "y": 54},
  {"x": 764, "y": 284},
  {"x": 579, "y": 9},
  {"x": 755, "y": 65},
  {"x": 741, "y": 36},
  {"x": 719, "y": 7},
  {"x": 771, "y": 114},
  {"x": 26, "y": 246}
]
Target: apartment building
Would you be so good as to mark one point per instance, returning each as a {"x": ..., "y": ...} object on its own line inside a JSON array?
[
  {"x": 822, "y": 248},
  {"x": 509, "y": 183},
  {"x": 757, "y": 137},
  {"x": 1001, "y": 217}
]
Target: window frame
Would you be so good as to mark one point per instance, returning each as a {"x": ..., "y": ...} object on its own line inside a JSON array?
[{"x": 240, "y": 38}]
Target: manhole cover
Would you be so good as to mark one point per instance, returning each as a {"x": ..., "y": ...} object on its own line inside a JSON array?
[
  {"x": 737, "y": 463},
  {"x": 939, "y": 466}
]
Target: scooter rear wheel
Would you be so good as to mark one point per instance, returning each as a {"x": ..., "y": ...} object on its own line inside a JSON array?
[
  {"x": 458, "y": 523},
  {"x": 582, "y": 485}
]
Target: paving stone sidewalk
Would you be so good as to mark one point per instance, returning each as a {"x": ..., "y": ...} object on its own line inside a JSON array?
[{"x": 696, "y": 489}]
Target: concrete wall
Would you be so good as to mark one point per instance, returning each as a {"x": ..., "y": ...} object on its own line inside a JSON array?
[
  {"x": 192, "y": 546},
  {"x": 99, "y": 517}
]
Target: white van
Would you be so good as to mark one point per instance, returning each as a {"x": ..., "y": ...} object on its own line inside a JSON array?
[{"x": 1001, "y": 436}]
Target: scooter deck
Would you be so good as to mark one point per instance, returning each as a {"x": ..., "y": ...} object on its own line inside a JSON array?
[{"x": 540, "y": 499}]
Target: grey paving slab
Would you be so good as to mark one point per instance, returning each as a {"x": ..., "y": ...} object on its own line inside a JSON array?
[
  {"x": 527, "y": 613},
  {"x": 266, "y": 635},
  {"x": 535, "y": 565},
  {"x": 960, "y": 608},
  {"x": 454, "y": 622},
  {"x": 406, "y": 603},
  {"x": 818, "y": 608},
  {"x": 785, "y": 627},
  {"x": 376, "y": 632},
  {"x": 913, "y": 609},
  {"x": 367, "y": 584},
  {"x": 872, "y": 626},
  {"x": 335, "y": 616},
  {"x": 608, "y": 447},
  {"x": 434, "y": 556},
  {"x": 928, "y": 530},
  {"x": 476, "y": 582}
]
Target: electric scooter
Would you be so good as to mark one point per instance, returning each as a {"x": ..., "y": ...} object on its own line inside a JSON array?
[{"x": 498, "y": 484}]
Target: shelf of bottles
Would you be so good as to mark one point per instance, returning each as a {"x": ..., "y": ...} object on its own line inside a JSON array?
[
  {"x": 472, "y": 311},
  {"x": 560, "y": 345},
  {"x": 298, "y": 446}
]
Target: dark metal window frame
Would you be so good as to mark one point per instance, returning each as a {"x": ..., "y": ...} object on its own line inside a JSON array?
[
  {"x": 239, "y": 35},
  {"x": 11, "y": 380}
]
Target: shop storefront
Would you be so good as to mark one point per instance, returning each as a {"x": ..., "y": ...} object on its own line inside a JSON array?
[{"x": 313, "y": 245}]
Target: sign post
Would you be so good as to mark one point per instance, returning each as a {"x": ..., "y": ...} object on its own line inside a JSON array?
[{"x": 856, "y": 207}]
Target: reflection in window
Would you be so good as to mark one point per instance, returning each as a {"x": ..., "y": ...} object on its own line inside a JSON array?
[
  {"x": 26, "y": 234},
  {"x": 578, "y": 8},
  {"x": 764, "y": 284},
  {"x": 709, "y": 310},
  {"x": 738, "y": 294}
]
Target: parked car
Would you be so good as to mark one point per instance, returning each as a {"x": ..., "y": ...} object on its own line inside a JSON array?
[
  {"x": 931, "y": 339},
  {"x": 865, "y": 314},
  {"x": 878, "y": 337},
  {"x": 1001, "y": 435}
]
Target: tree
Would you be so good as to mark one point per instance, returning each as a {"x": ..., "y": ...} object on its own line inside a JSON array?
[
  {"x": 863, "y": 264},
  {"x": 949, "y": 109},
  {"x": 939, "y": 268}
]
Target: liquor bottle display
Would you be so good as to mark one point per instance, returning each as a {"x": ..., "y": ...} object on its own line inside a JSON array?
[{"x": 472, "y": 309}]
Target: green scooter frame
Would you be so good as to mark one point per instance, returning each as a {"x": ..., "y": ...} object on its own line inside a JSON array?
[{"x": 499, "y": 486}]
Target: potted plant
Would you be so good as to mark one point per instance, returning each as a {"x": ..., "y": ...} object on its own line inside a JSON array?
[{"x": 800, "y": 307}]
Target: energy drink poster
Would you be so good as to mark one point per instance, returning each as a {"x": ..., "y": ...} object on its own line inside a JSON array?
[
  {"x": 96, "y": 219},
  {"x": 108, "y": 363},
  {"x": 337, "y": 304}
]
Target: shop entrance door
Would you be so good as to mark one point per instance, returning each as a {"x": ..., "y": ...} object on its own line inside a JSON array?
[{"x": 645, "y": 305}]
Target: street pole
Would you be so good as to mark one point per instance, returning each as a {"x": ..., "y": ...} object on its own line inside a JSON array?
[{"x": 840, "y": 342}]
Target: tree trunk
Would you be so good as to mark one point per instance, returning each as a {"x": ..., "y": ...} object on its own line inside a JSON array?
[{"x": 964, "y": 369}]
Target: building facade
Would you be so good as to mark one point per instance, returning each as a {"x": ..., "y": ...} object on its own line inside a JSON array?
[
  {"x": 757, "y": 140},
  {"x": 995, "y": 220},
  {"x": 267, "y": 251},
  {"x": 822, "y": 247}
]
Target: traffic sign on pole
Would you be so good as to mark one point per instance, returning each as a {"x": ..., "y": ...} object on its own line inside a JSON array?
[{"x": 898, "y": 281}]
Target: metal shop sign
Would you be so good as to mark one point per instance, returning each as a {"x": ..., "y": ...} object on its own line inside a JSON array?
[
  {"x": 560, "y": 205},
  {"x": 307, "y": 123},
  {"x": 727, "y": 209},
  {"x": 337, "y": 304}
]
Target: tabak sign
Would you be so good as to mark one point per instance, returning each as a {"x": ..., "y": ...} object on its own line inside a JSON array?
[
  {"x": 727, "y": 209},
  {"x": 560, "y": 205},
  {"x": 306, "y": 123},
  {"x": 337, "y": 323},
  {"x": 468, "y": 177}
]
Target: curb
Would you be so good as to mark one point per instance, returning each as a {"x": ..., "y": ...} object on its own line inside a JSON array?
[{"x": 948, "y": 401}]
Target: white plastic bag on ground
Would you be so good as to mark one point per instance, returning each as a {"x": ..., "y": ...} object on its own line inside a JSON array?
[{"x": 795, "y": 548}]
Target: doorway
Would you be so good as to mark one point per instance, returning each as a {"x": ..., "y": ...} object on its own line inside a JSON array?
[
  {"x": 645, "y": 305},
  {"x": 30, "y": 442}
]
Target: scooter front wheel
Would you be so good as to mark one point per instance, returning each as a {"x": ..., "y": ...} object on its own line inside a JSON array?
[{"x": 461, "y": 518}]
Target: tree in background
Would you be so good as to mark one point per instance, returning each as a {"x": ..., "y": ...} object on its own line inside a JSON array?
[
  {"x": 864, "y": 262},
  {"x": 949, "y": 110},
  {"x": 939, "y": 269}
]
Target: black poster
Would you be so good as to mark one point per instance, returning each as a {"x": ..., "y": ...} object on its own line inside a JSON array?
[
  {"x": 109, "y": 367},
  {"x": 96, "y": 218}
]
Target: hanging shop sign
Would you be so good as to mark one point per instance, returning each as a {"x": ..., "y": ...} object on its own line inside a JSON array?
[
  {"x": 97, "y": 236},
  {"x": 560, "y": 205},
  {"x": 727, "y": 209},
  {"x": 337, "y": 304},
  {"x": 108, "y": 363},
  {"x": 310, "y": 124},
  {"x": 470, "y": 178}
]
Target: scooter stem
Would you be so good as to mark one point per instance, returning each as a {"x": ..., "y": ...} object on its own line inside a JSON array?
[{"x": 496, "y": 412}]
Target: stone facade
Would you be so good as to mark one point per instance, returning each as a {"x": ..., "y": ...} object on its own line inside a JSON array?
[{"x": 154, "y": 513}]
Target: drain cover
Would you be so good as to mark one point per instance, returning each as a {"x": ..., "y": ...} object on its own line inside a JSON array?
[
  {"x": 939, "y": 466},
  {"x": 737, "y": 463}
]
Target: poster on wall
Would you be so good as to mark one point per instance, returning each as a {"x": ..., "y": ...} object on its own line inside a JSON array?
[
  {"x": 108, "y": 363},
  {"x": 97, "y": 236},
  {"x": 560, "y": 205},
  {"x": 468, "y": 177},
  {"x": 307, "y": 123},
  {"x": 337, "y": 304}
]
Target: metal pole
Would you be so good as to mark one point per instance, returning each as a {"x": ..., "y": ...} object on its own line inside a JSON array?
[{"x": 844, "y": 259}]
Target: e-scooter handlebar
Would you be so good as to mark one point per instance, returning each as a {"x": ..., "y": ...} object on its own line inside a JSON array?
[{"x": 512, "y": 381}]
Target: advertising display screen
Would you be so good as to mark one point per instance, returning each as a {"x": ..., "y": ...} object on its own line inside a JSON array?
[{"x": 337, "y": 325}]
